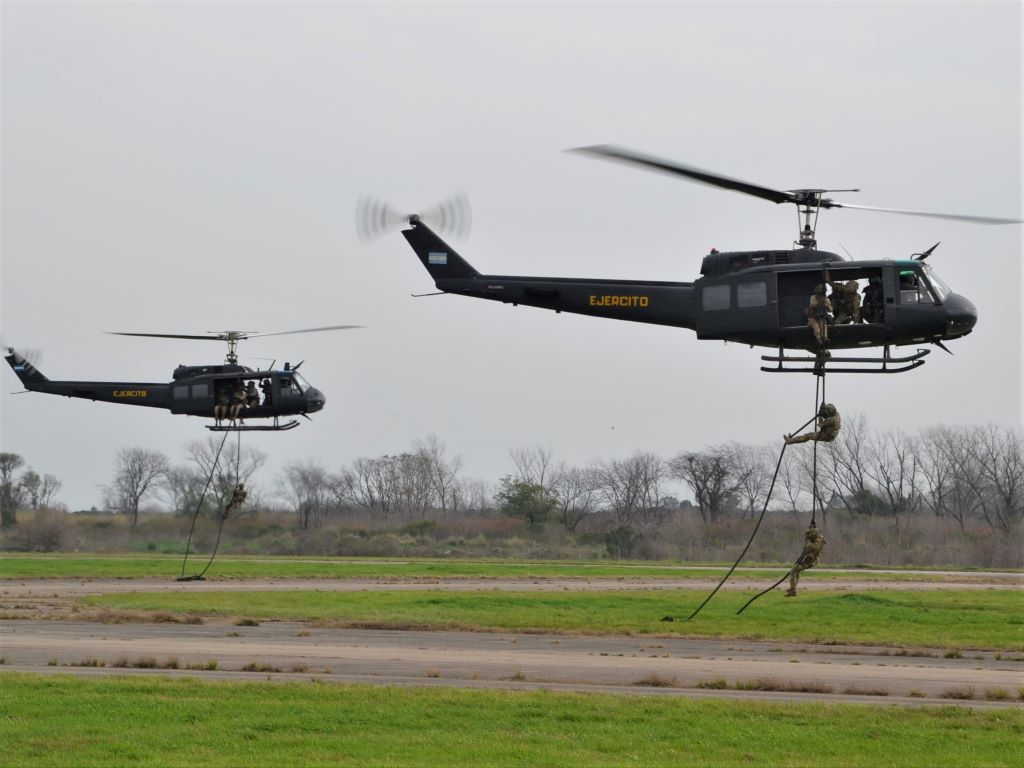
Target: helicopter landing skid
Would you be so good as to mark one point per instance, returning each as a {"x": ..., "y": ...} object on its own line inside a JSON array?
[
  {"x": 823, "y": 364},
  {"x": 246, "y": 428}
]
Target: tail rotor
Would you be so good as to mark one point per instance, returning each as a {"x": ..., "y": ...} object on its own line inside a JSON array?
[{"x": 376, "y": 217}]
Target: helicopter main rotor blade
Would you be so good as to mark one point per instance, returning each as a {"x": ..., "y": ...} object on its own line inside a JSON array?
[
  {"x": 611, "y": 152},
  {"x": 954, "y": 216},
  {"x": 167, "y": 336},
  {"x": 308, "y": 330}
]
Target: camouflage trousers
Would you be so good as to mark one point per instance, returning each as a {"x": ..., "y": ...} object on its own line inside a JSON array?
[{"x": 820, "y": 329}]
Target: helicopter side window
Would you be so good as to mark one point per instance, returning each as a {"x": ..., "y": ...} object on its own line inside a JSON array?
[
  {"x": 181, "y": 392},
  {"x": 714, "y": 297},
  {"x": 752, "y": 294},
  {"x": 200, "y": 390}
]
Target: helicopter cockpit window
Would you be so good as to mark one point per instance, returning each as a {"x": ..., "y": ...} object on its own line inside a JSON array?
[
  {"x": 714, "y": 297},
  {"x": 302, "y": 384},
  {"x": 939, "y": 287},
  {"x": 752, "y": 294}
]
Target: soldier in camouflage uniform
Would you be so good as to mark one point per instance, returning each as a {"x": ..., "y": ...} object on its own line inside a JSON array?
[
  {"x": 828, "y": 427},
  {"x": 237, "y": 500},
  {"x": 222, "y": 406},
  {"x": 845, "y": 300},
  {"x": 814, "y": 543},
  {"x": 819, "y": 312}
]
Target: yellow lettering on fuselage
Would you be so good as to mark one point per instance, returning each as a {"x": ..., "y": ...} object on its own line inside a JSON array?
[
  {"x": 131, "y": 393},
  {"x": 619, "y": 301}
]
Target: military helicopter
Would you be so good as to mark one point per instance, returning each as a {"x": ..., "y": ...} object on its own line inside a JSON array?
[
  {"x": 760, "y": 298},
  {"x": 208, "y": 391}
]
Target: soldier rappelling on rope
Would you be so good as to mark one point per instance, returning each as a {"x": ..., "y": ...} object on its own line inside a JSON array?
[
  {"x": 828, "y": 427},
  {"x": 237, "y": 499},
  {"x": 814, "y": 543}
]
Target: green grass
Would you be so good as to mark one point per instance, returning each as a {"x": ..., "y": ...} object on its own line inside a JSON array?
[
  {"x": 991, "y": 619},
  {"x": 78, "y": 566},
  {"x": 60, "y": 720}
]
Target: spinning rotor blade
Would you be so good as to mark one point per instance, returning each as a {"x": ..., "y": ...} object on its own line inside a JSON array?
[
  {"x": 677, "y": 169},
  {"x": 954, "y": 216},
  {"x": 453, "y": 215},
  {"x": 207, "y": 337},
  {"x": 802, "y": 197},
  {"x": 376, "y": 217},
  {"x": 308, "y": 330}
]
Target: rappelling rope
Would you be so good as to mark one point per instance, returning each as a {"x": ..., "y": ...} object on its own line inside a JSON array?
[
  {"x": 199, "y": 506},
  {"x": 224, "y": 516},
  {"x": 819, "y": 392},
  {"x": 819, "y": 386},
  {"x": 764, "y": 509}
]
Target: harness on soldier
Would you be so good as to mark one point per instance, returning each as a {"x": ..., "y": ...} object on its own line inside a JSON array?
[
  {"x": 238, "y": 492},
  {"x": 819, "y": 401}
]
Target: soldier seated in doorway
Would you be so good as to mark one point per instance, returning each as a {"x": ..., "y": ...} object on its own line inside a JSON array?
[
  {"x": 845, "y": 300},
  {"x": 819, "y": 313}
]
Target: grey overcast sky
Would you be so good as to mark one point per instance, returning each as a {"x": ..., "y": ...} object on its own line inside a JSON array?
[{"x": 185, "y": 167}]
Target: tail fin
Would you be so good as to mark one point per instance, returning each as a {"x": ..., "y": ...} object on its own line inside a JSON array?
[
  {"x": 27, "y": 372},
  {"x": 440, "y": 259}
]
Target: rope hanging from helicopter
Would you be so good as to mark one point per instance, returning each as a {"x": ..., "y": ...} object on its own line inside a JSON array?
[
  {"x": 819, "y": 400},
  {"x": 238, "y": 497}
]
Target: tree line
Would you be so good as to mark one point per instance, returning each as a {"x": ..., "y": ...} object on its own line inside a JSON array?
[{"x": 970, "y": 475}]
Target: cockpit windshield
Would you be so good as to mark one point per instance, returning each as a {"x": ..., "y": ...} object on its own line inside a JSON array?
[
  {"x": 300, "y": 382},
  {"x": 941, "y": 290}
]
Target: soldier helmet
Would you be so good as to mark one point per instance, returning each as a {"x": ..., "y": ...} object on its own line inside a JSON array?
[{"x": 826, "y": 410}]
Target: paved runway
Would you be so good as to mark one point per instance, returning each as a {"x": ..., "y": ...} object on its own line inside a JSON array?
[{"x": 290, "y": 650}]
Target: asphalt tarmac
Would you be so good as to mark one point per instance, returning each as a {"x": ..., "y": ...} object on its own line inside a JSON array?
[{"x": 642, "y": 666}]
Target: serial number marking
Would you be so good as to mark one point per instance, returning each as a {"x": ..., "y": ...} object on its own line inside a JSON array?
[
  {"x": 619, "y": 301},
  {"x": 131, "y": 393}
]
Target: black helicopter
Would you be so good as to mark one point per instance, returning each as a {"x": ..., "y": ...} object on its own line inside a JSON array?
[
  {"x": 759, "y": 298},
  {"x": 229, "y": 393}
]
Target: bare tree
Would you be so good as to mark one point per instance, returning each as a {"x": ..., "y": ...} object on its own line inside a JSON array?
[
  {"x": 371, "y": 484},
  {"x": 893, "y": 467},
  {"x": 443, "y": 473},
  {"x": 753, "y": 467},
  {"x": 533, "y": 465},
  {"x": 632, "y": 488},
  {"x": 39, "y": 490},
  {"x": 139, "y": 470},
  {"x": 792, "y": 479},
  {"x": 950, "y": 473},
  {"x": 11, "y": 492},
  {"x": 999, "y": 454},
  {"x": 711, "y": 477},
  {"x": 577, "y": 493},
  {"x": 843, "y": 468},
  {"x": 415, "y": 485},
  {"x": 183, "y": 488},
  {"x": 308, "y": 487},
  {"x": 231, "y": 466}
]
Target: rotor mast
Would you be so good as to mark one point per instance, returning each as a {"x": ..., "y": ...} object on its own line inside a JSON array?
[{"x": 809, "y": 203}]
